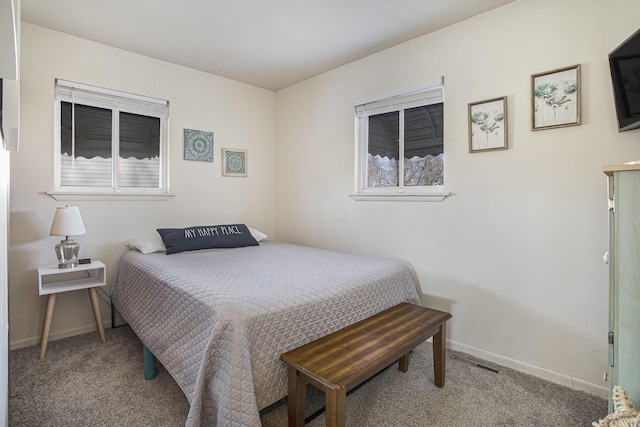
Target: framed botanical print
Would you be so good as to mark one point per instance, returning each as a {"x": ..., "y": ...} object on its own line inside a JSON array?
[
  {"x": 555, "y": 98},
  {"x": 488, "y": 125}
]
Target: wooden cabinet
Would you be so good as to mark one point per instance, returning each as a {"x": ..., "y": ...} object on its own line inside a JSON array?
[{"x": 624, "y": 279}]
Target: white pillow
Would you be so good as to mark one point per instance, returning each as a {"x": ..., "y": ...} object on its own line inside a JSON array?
[
  {"x": 147, "y": 244},
  {"x": 257, "y": 234}
]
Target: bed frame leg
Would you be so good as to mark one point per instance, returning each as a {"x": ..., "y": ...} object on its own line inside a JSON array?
[{"x": 149, "y": 364}]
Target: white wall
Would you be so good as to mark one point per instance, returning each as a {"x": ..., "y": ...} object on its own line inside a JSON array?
[
  {"x": 9, "y": 69},
  {"x": 4, "y": 287},
  {"x": 516, "y": 252},
  {"x": 240, "y": 116}
]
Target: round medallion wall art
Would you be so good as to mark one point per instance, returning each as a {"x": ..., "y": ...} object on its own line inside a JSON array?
[
  {"x": 234, "y": 162},
  {"x": 198, "y": 145}
]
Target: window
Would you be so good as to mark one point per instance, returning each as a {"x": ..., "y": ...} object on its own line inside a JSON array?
[
  {"x": 407, "y": 124},
  {"x": 109, "y": 142}
]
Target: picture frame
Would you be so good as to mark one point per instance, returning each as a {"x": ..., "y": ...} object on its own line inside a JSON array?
[
  {"x": 234, "y": 162},
  {"x": 488, "y": 125},
  {"x": 555, "y": 98},
  {"x": 198, "y": 145}
]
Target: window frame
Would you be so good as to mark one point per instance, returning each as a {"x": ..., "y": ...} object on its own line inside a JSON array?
[
  {"x": 117, "y": 102},
  {"x": 401, "y": 193}
]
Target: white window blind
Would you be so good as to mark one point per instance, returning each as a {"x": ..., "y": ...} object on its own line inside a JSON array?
[
  {"x": 398, "y": 102},
  {"x": 105, "y": 98}
]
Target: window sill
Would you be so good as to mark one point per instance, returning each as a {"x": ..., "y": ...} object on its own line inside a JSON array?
[
  {"x": 401, "y": 197},
  {"x": 78, "y": 196}
]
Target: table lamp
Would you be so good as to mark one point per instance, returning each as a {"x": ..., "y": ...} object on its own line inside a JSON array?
[{"x": 67, "y": 222}]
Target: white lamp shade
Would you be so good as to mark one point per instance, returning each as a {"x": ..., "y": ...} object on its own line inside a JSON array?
[{"x": 67, "y": 222}]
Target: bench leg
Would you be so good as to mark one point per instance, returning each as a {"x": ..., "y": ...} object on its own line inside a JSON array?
[
  {"x": 336, "y": 407},
  {"x": 297, "y": 397},
  {"x": 403, "y": 363},
  {"x": 439, "y": 350}
]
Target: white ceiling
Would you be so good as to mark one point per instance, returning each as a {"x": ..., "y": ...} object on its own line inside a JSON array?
[{"x": 266, "y": 43}]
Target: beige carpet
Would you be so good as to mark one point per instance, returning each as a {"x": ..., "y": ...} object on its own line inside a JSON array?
[{"x": 84, "y": 383}]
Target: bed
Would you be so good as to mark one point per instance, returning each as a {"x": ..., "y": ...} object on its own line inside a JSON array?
[{"x": 219, "y": 319}]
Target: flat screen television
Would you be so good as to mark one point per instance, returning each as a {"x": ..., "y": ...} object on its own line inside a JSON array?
[{"x": 624, "y": 63}]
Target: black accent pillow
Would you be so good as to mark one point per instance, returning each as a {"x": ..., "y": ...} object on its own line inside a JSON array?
[{"x": 206, "y": 237}]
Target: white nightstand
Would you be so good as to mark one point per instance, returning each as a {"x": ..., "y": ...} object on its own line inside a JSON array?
[{"x": 53, "y": 280}]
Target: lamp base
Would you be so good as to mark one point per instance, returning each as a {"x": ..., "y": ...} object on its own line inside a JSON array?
[{"x": 67, "y": 252}]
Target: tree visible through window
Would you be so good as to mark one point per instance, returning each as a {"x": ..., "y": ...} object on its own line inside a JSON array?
[{"x": 423, "y": 148}]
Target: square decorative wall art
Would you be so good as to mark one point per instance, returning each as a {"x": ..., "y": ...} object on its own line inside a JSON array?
[
  {"x": 555, "y": 98},
  {"x": 488, "y": 125},
  {"x": 198, "y": 145},
  {"x": 234, "y": 162}
]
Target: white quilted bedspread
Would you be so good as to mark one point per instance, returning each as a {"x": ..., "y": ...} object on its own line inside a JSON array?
[{"x": 219, "y": 319}]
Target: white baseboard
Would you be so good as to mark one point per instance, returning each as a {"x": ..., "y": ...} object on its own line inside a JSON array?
[
  {"x": 554, "y": 377},
  {"x": 58, "y": 335},
  {"x": 546, "y": 374}
]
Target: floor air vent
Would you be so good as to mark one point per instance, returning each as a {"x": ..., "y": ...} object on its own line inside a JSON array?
[{"x": 474, "y": 363}]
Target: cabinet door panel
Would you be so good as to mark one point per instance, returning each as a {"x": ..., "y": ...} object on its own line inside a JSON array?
[{"x": 627, "y": 282}]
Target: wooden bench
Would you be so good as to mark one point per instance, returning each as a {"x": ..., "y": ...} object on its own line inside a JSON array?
[{"x": 342, "y": 360}]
